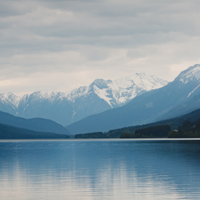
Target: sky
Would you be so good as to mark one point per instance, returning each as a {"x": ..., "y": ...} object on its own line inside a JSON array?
[{"x": 59, "y": 45}]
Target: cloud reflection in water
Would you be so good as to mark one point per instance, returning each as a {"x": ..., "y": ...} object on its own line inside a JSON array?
[{"x": 105, "y": 169}]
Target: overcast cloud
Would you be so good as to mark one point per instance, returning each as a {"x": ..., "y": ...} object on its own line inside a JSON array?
[{"x": 62, "y": 44}]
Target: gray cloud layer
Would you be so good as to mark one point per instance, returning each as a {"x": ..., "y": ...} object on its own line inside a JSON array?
[{"x": 68, "y": 43}]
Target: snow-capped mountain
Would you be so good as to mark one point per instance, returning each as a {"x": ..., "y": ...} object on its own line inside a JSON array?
[
  {"x": 125, "y": 89},
  {"x": 190, "y": 81},
  {"x": 120, "y": 91},
  {"x": 190, "y": 75},
  {"x": 9, "y": 102},
  {"x": 176, "y": 98},
  {"x": 68, "y": 107}
]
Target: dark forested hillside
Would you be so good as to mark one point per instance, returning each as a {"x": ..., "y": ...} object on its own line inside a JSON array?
[
  {"x": 187, "y": 130},
  {"x": 174, "y": 123},
  {"x": 157, "y": 129},
  {"x": 160, "y": 131},
  {"x": 91, "y": 135}
]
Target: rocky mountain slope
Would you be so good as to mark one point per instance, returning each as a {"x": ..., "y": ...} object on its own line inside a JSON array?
[
  {"x": 69, "y": 107},
  {"x": 145, "y": 108}
]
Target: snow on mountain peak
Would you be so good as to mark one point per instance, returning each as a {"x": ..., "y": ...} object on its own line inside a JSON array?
[
  {"x": 190, "y": 74},
  {"x": 51, "y": 96},
  {"x": 76, "y": 93},
  {"x": 68, "y": 107},
  {"x": 10, "y": 98},
  {"x": 120, "y": 91},
  {"x": 115, "y": 93},
  {"x": 126, "y": 88},
  {"x": 103, "y": 94}
]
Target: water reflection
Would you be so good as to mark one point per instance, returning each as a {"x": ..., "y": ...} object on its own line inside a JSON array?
[{"x": 108, "y": 169}]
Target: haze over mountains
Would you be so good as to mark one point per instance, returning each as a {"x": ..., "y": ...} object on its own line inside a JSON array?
[
  {"x": 34, "y": 124},
  {"x": 10, "y": 132},
  {"x": 129, "y": 101},
  {"x": 149, "y": 107},
  {"x": 66, "y": 108}
]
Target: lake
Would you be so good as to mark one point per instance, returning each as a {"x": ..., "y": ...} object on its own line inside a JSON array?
[{"x": 100, "y": 169}]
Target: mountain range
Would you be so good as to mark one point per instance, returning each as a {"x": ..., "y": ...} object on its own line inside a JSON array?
[
  {"x": 34, "y": 124},
  {"x": 171, "y": 100},
  {"x": 69, "y": 107},
  {"x": 104, "y": 105},
  {"x": 10, "y": 132}
]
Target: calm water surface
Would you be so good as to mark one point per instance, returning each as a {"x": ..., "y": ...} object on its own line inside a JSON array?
[{"x": 100, "y": 169}]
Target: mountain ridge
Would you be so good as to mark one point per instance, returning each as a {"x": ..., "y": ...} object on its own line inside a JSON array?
[
  {"x": 34, "y": 124},
  {"x": 68, "y": 107},
  {"x": 9, "y": 132},
  {"x": 146, "y": 108}
]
